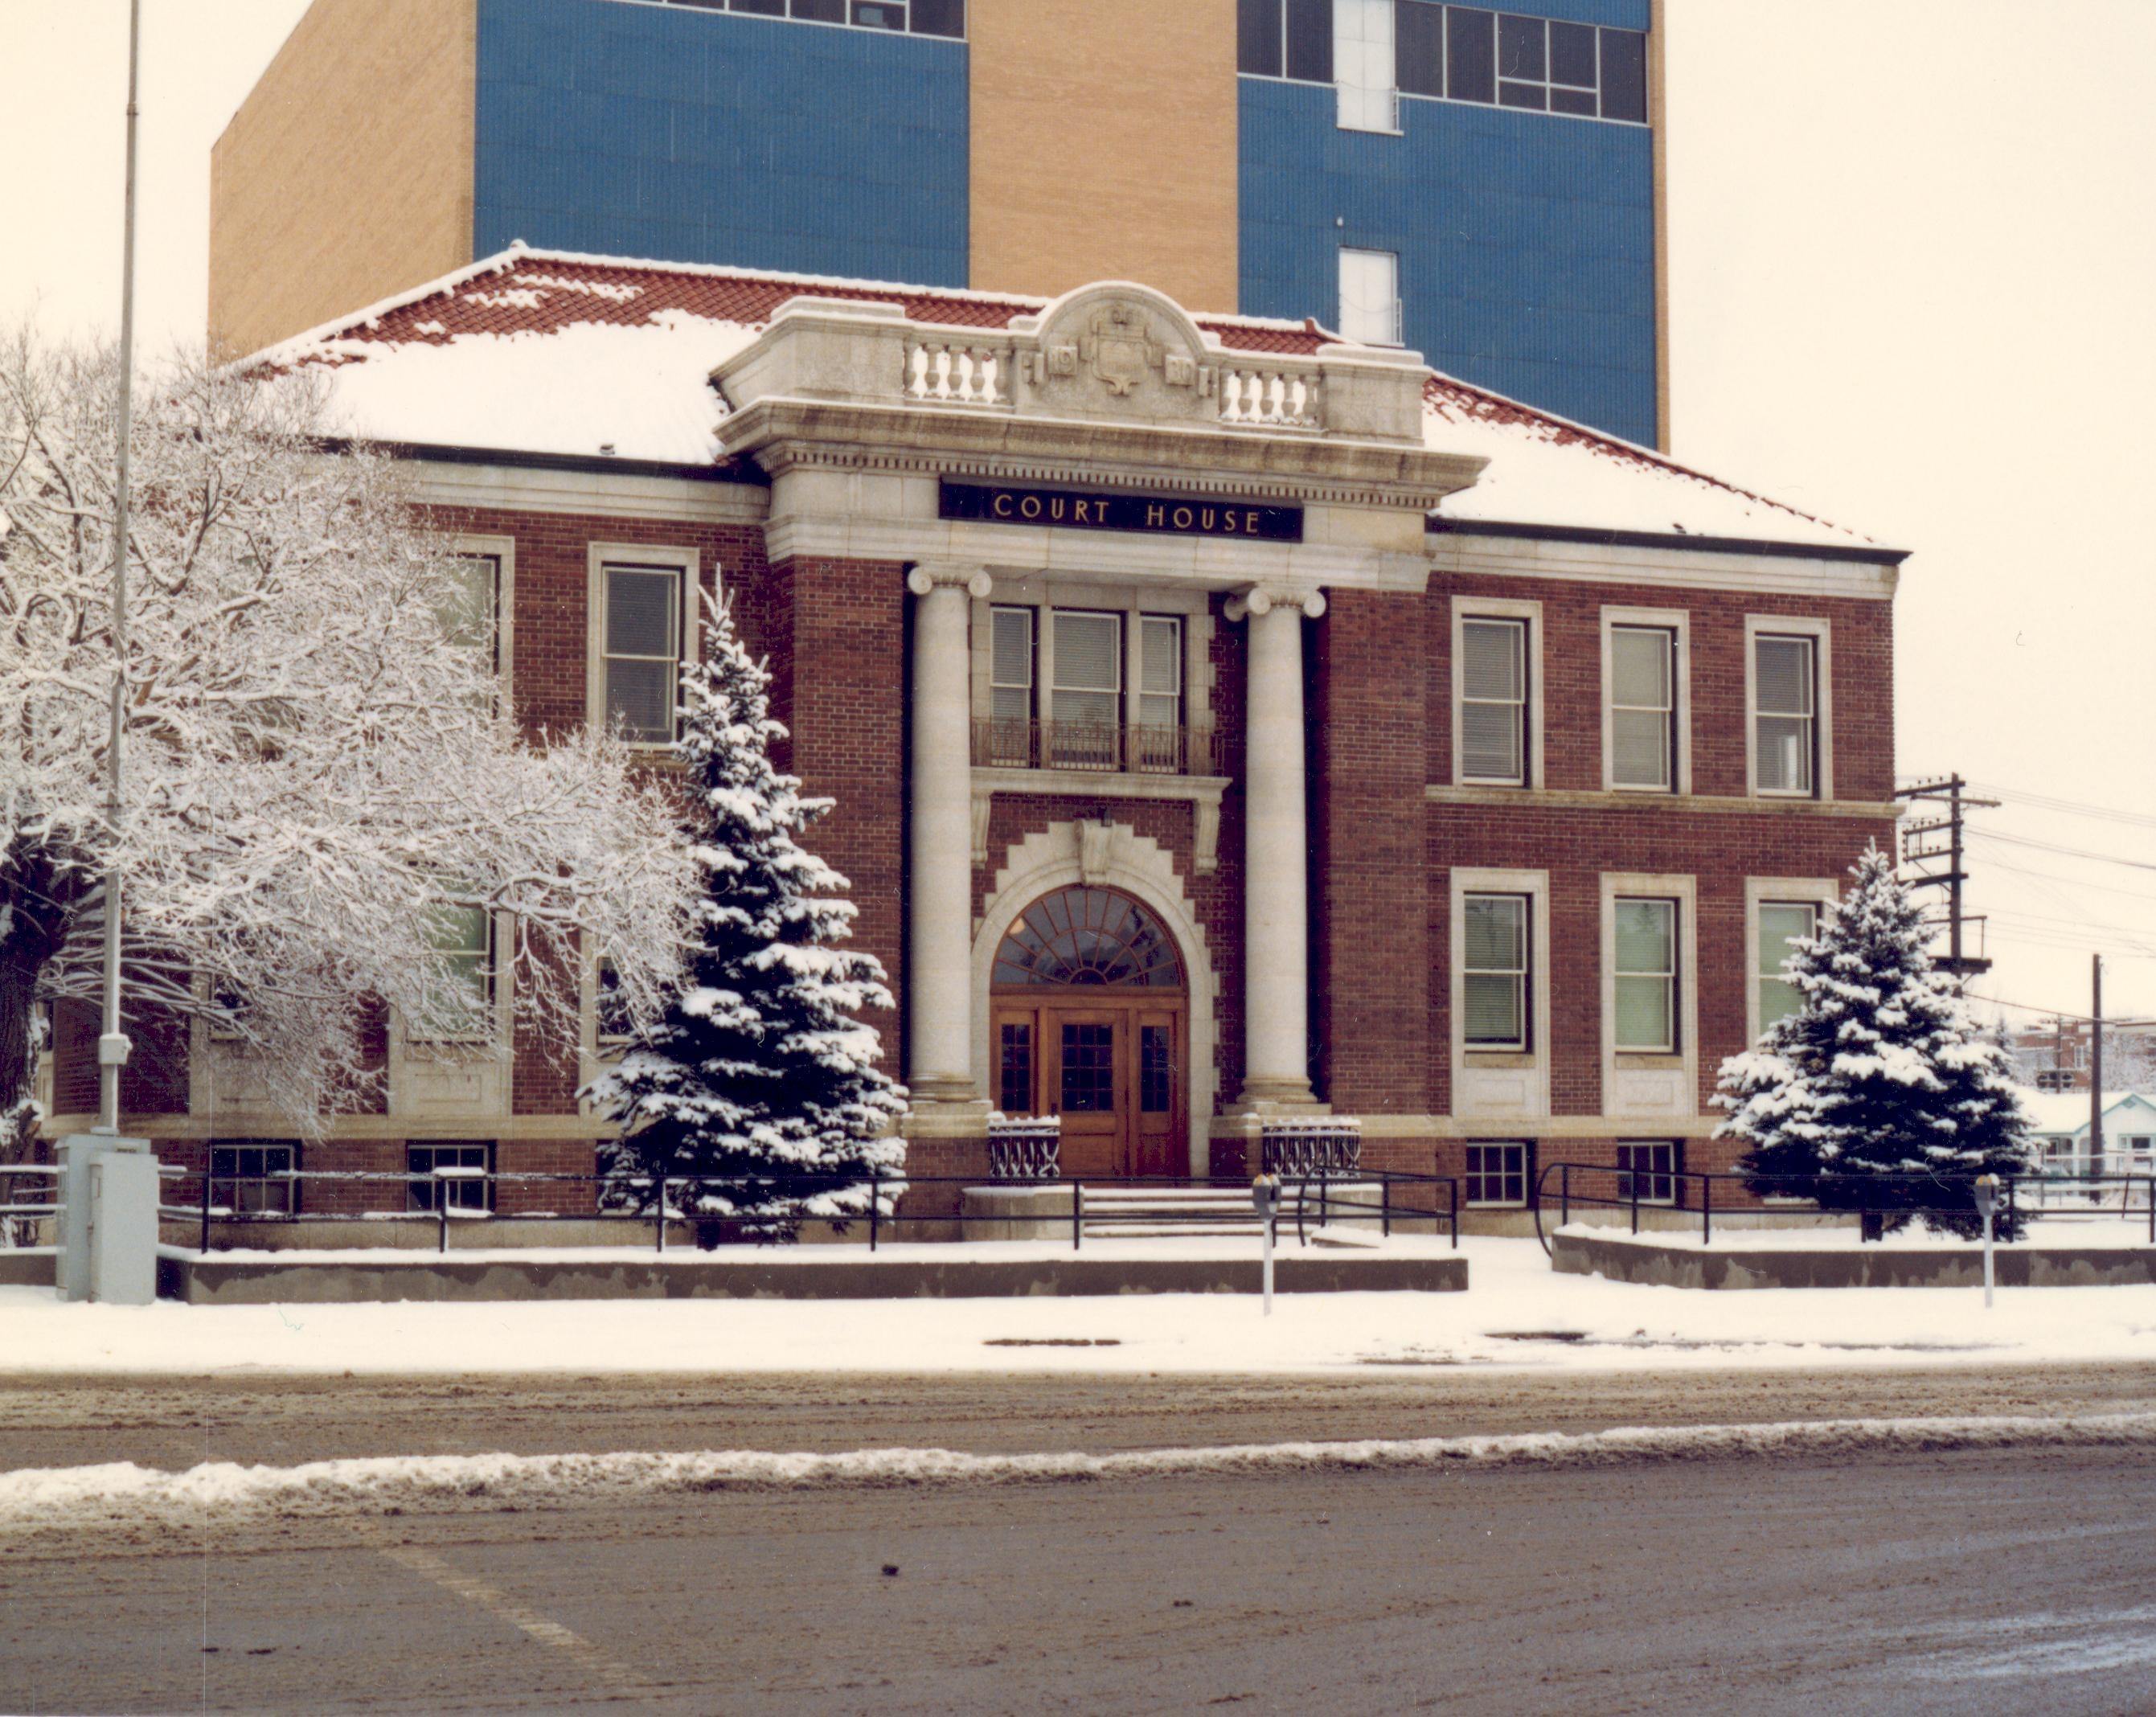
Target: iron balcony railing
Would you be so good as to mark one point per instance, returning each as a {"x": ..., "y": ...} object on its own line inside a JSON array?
[{"x": 1103, "y": 748}]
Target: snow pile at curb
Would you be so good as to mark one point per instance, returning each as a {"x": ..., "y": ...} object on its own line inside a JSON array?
[{"x": 123, "y": 1493}]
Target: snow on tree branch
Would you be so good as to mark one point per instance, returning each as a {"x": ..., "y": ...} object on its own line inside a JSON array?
[{"x": 320, "y": 764}]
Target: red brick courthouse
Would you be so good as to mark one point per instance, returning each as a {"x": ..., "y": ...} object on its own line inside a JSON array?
[{"x": 1225, "y": 722}]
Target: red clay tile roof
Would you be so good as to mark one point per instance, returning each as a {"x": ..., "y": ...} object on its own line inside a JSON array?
[{"x": 534, "y": 292}]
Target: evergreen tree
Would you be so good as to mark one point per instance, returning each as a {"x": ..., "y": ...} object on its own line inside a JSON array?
[
  {"x": 1882, "y": 1072},
  {"x": 759, "y": 1068}
]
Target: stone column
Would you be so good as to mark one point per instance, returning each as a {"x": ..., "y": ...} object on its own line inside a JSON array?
[
  {"x": 939, "y": 980},
  {"x": 1276, "y": 854}
]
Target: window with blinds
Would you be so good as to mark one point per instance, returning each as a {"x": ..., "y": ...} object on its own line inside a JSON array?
[
  {"x": 642, "y": 651},
  {"x": 1494, "y": 965},
  {"x": 1010, "y": 670},
  {"x": 1783, "y": 924},
  {"x": 1643, "y": 702},
  {"x": 1087, "y": 696},
  {"x": 1157, "y": 742},
  {"x": 1493, "y": 702},
  {"x": 1646, "y": 976},
  {"x": 1785, "y": 713}
]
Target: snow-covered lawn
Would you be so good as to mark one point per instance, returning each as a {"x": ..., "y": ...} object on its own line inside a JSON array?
[
  {"x": 1569, "y": 1322},
  {"x": 2109, "y": 1233}
]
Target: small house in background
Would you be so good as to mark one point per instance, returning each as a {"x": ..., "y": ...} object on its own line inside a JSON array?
[{"x": 2061, "y": 1127}]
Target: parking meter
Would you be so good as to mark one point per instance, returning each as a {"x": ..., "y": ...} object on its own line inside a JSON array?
[
  {"x": 1987, "y": 1205},
  {"x": 1264, "y": 1197}
]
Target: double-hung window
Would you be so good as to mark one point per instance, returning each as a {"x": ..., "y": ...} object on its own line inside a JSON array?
[
  {"x": 1011, "y": 658},
  {"x": 1643, "y": 708},
  {"x": 1783, "y": 924},
  {"x": 1157, "y": 743},
  {"x": 469, "y": 604},
  {"x": 1646, "y": 976},
  {"x": 1088, "y": 692},
  {"x": 462, "y": 938},
  {"x": 1648, "y": 1169},
  {"x": 455, "y": 1177},
  {"x": 1497, "y": 1173},
  {"x": 1493, "y": 701},
  {"x": 643, "y": 650},
  {"x": 1495, "y": 969},
  {"x": 1785, "y": 714},
  {"x": 254, "y": 1179}
]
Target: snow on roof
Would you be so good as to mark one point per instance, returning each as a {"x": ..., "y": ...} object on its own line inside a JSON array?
[
  {"x": 538, "y": 351},
  {"x": 2061, "y": 1113}
]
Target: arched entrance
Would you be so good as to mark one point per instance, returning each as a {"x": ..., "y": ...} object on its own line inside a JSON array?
[{"x": 1090, "y": 1020}]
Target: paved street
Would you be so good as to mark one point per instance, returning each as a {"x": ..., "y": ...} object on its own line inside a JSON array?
[{"x": 1965, "y": 1582}]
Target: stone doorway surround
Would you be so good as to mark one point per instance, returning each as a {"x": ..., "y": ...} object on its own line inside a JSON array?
[{"x": 1067, "y": 855}]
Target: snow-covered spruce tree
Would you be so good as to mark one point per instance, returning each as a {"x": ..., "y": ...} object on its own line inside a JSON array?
[
  {"x": 318, "y": 765},
  {"x": 1881, "y": 1075},
  {"x": 759, "y": 1069}
]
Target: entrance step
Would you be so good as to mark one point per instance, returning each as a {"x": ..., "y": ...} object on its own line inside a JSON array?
[{"x": 1204, "y": 1212}]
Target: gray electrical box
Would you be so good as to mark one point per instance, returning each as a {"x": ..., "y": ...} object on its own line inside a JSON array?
[{"x": 108, "y": 1227}]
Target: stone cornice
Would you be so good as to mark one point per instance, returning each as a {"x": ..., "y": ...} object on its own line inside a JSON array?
[
  {"x": 783, "y": 434},
  {"x": 1546, "y": 799}
]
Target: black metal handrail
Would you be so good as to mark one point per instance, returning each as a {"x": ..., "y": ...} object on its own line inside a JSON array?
[
  {"x": 634, "y": 1200},
  {"x": 1701, "y": 1185}
]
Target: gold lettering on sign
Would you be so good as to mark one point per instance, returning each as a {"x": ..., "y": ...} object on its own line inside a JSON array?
[
  {"x": 1250, "y": 521},
  {"x": 1001, "y": 506},
  {"x": 1156, "y": 515},
  {"x": 1029, "y": 508},
  {"x": 1183, "y": 518}
]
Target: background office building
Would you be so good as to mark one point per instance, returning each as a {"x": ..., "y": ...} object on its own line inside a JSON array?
[{"x": 1481, "y": 185}]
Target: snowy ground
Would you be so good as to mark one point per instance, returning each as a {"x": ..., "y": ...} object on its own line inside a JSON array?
[
  {"x": 1517, "y": 1314},
  {"x": 2090, "y": 1233}
]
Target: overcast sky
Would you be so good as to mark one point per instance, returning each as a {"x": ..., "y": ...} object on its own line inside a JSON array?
[{"x": 1914, "y": 264}]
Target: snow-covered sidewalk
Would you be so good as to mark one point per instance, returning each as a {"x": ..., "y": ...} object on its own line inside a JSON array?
[{"x": 1517, "y": 1314}]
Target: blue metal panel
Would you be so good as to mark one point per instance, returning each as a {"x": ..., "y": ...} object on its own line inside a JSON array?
[
  {"x": 699, "y": 136},
  {"x": 1526, "y": 241}
]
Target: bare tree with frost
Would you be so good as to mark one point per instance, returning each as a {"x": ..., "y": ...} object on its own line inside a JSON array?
[{"x": 319, "y": 767}]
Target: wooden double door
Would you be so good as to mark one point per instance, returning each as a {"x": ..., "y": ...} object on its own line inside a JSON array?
[{"x": 1111, "y": 1066}]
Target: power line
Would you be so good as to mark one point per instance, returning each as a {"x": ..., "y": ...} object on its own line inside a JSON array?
[
  {"x": 1991, "y": 834},
  {"x": 2072, "y": 807}
]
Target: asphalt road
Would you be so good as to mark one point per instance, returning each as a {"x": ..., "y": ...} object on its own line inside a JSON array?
[
  {"x": 1968, "y": 1582},
  {"x": 1963, "y": 1583}
]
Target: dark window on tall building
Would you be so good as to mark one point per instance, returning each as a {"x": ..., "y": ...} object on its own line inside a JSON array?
[
  {"x": 879, "y": 15},
  {"x": 939, "y": 17},
  {"x": 1573, "y": 71},
  {"x": 1310, "y": 40},
  {"x": 1624, "y": 76},
  {"x": 1258, "y": 38},
  {"x": 1522, "y": 62},
  {"x": 1470, "y": 54},
  {"x": 1418, "y": 40},
  {"x": 821, "y": 11}
]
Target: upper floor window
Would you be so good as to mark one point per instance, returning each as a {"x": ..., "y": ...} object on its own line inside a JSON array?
[
  {"x": 1160, "y": 683},
  {"x": 643, "y": 650},
  {"x": 1783, "y": 924},
  {"x": 1493, "y": 701},
  {"x": 1455, "y": 52},
  {"x": 1291, "y": 39},
  {"x": 922, "y": 17},
  {"x": 1646, "y": 976},
  {"x": 1785, "y": 714},
  {"x": 1643, "y": 707},
  {"x": 1010, "y": 666},
  {"x": 1370, "y": 297},
  {"x": 1088, "y": 692}
]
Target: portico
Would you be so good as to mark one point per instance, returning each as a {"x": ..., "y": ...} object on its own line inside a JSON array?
[{"x": 1115, "y": 529}]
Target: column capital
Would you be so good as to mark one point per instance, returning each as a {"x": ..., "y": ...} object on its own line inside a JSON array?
[
  {"x": 974, "y": 581},
  {"x": 1259, "y": 599}
]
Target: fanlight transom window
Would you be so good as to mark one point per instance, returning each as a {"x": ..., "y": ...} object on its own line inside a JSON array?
[{"x": 1087, "y": 936}]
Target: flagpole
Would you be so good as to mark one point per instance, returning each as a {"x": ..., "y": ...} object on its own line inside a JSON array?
[{"x": 112, "y": 1042}]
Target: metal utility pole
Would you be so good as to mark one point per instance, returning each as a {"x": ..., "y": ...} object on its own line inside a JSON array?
[
  {"x": 112, "y": 1042},
  {"x": 2096, "y": 1063},
  {"x": 1953, "y": 792}
]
